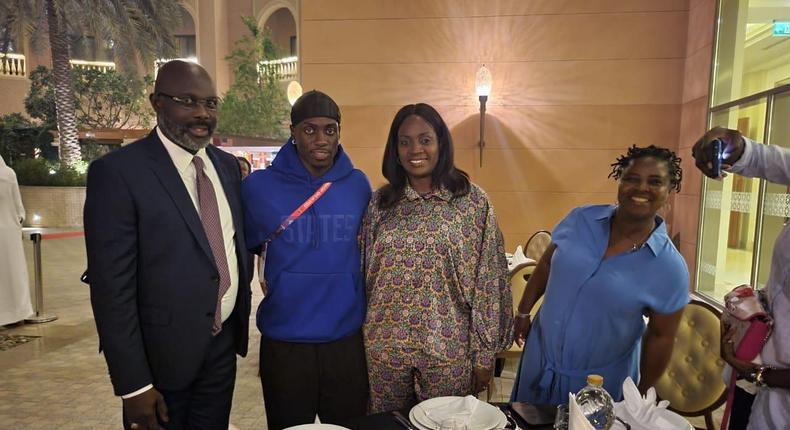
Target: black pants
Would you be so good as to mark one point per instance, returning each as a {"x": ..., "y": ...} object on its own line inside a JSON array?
[
  {"x": 302, "y": 380},
  {"x": 741, "y": 409},
  {"x": 206, "y": 403}
]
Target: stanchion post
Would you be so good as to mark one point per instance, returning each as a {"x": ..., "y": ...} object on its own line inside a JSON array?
[{"x": 40, "y": 316}]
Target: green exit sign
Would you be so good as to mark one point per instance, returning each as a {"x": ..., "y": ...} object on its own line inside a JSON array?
[{"x": 782, "y": 28}]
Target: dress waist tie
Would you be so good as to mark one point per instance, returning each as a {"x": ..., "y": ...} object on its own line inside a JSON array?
[{"x": 551, "y": 370}]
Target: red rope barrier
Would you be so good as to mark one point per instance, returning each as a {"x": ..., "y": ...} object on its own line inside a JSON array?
[{"x": 63, "y": 235}]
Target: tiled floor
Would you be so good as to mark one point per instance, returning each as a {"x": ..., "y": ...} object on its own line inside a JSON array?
[{"x": 60, "y": 378}]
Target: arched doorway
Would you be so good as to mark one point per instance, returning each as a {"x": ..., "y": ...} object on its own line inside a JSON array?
[
  {"x": 185, "y": 35},
  {"x": 282, "y": 27}
]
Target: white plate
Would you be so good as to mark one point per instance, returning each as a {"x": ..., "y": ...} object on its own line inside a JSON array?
[
  {"x": 316, "y": 427},
  {"x": 501, "y": 424},
  {"x": 486, "y": 416}
]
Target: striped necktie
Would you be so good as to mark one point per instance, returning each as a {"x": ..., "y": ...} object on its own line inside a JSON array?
[{"x": 209, "y": 217}]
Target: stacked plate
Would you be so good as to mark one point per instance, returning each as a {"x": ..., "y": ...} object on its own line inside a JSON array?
[
  {"x": 317, "y": 427},
  {"x": 485, "y": 416}
]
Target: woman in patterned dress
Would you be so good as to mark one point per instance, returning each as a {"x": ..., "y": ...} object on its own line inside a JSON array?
[{"x": 439, "y": 301}]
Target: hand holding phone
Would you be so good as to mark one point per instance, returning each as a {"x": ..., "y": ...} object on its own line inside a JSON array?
[{"x": 717, "y": 147}]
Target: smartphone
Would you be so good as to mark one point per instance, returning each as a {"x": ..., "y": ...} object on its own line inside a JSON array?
[
  {"x": 717, "y": 155},
  {"x": 535, "y": 415}
]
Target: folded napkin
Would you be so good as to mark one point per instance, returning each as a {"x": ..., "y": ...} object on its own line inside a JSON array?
[
  {"x": 576, "y": 419},
  {"x": 643, "y": 413},
  {"x": 460, "y": 408},
  {"x": 517, "y": 258}
]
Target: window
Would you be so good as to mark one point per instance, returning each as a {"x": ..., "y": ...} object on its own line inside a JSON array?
[
  {"x": 87, "y": 48},
  {"x": 8, "y": 37},
  {"x": 185, "y": 44},
  {"x": 742, "y": 217}
]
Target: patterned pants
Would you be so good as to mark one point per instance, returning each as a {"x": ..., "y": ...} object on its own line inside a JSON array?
[{"x": 404, "y": 377}]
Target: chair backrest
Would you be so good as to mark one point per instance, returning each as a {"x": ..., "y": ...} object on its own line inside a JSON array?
[
  {"x": 537, "y": 244},
  {"x": 518, "y": 283},
  {"x": 692, "y": 382}
]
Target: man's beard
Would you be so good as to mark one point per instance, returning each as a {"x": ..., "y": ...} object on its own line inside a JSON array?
[{"x": 179, "y": 134}]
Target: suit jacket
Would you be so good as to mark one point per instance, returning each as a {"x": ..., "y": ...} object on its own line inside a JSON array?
[{"x": 153, "y": 279}]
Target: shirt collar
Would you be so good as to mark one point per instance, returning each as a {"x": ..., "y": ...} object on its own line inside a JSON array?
[
  {"x": 658, "y": 238},
  {"x": 442, "y": 193},
  {"x": 180, "y": 156}
]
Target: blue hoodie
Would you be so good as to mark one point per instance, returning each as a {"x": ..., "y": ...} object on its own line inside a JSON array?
[{"x": 316, "y": 288}]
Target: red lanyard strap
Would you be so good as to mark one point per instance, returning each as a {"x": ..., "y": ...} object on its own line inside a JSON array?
[{"x": 298, "y": 212}]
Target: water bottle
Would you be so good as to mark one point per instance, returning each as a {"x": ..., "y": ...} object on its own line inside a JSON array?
[{"x": 596, "y": 404}]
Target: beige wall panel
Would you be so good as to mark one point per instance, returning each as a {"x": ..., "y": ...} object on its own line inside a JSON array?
[
  {"x": 562, "y": 126},
  {"x": 512, "y": 240},
  {"x": 500, "y": 39},
  {"x": 689, "y": 252},
  {"x": 372, "y": 9},
  {"x": 624, "y": 82},
  {"x": 553, "y": 127},
  {"x": 521, "y": 127},
  {"x": 693, "y": 121},
  {"x": 686, "y": 216},
  {"x": 692, "y": 177},
  {"x": 697, "y": 75},
  {"x": 528, "y": 212},
  {"x": 14, "y": 91},
  {"x": 551, "y": 170},
  {"x": 214, "y": 40},
  {"x": 236, "y": 28},
  {"x": 701, "y": 19},
  {"x": 693, "y": 4},
  {"x": 369, "y": 161},
  {"x": 467, "y": 160},
  {"x": 365, "y": 126}
]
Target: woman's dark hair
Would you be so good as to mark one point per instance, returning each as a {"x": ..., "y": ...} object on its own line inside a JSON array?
[
  {"x": 664, "y": 154},
  {"x": 445, "y": 173},
  {"x": 246, "y": 161}
]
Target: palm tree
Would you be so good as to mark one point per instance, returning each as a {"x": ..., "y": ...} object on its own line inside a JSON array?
[{"x": 136, "y": 29}]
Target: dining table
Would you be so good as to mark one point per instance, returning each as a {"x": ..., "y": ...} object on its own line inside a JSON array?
[{"x": 388, "y": 421}]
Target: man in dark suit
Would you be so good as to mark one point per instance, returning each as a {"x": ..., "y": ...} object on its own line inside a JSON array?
[{"x": 167, "y": 264}]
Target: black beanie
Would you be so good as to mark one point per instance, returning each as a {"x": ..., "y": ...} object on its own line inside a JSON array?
[{"x": 314, "y": 104}]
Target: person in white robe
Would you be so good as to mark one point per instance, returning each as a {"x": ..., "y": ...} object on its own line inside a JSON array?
[{"x": 15, "y": 302}]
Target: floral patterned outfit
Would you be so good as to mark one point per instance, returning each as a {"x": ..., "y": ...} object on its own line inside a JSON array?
[{"x": 439, "y": 300}]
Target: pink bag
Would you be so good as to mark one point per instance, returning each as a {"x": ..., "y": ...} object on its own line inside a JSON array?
[
  {"x": 753, "y": 325},
  {"x": 745, "y": 312}
]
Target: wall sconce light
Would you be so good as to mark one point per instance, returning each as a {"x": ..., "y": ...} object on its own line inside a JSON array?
[
  {"x": 294, "y": 91},
  {"x": 483, "y": 88}
]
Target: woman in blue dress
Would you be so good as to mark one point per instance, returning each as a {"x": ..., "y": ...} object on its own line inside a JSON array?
[{"x": 607, "y": 267}]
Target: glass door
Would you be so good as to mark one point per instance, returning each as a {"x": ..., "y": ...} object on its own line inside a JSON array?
[{"x": 729, "y": 213}]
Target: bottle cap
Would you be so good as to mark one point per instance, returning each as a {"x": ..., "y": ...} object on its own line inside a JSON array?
[{"x": 595, "y": 380}]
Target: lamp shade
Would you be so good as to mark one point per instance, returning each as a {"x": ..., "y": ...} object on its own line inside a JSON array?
[
  {"x": 294, "y": 91},
  {"x": 483, "y": 81}
]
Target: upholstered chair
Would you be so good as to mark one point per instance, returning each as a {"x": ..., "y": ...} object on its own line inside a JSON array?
[{"x": 692, "y": 382}]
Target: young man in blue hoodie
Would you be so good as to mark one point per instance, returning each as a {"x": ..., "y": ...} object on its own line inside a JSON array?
[{"x": 312, "y": 356}]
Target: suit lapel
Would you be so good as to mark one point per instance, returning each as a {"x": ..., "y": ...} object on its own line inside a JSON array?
[{"x": 163, "y": 167}]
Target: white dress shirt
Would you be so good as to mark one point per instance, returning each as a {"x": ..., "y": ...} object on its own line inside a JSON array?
[{"x": 182, "y": 159}]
